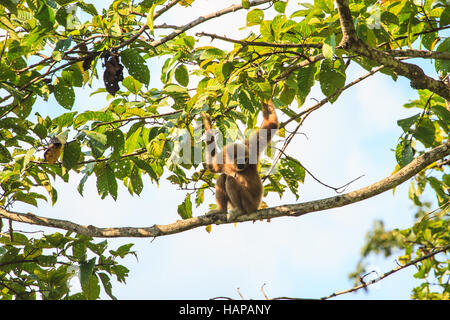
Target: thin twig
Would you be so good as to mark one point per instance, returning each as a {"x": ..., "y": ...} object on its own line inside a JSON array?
[
  {"x": 137, "y": 118},
  {"x": 239, "y": 292},
  {"x": 262, "y": 290},
  {"x": 338, "y": 190},
  {"x": 384, "y": 275},
  {"x": 260, "y": 43},
  {"x": 4, "y": 45},
  {"x": 334, "y": 94}
]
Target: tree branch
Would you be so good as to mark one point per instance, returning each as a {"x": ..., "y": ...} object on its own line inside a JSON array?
[
  {"x": 419, "y": 54},
  {"x": 260, "y": 43},
  {"x": 384, "y": 275},
  {"x": 299, "y": 65},
  {"x": 325, "y": 100},
  {"x": 292, "y": 210},
  {"x": 204, "y": 18},
  {"x": 350, "y": 41}
]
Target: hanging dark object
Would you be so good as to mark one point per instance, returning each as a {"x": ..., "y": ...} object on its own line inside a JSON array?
[{"x": 113, "y": 72}]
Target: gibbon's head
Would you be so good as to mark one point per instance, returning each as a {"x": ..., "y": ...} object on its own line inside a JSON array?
[{"x": 237, "y": 158}]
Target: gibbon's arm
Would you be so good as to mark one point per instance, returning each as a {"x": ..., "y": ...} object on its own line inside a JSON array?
[
  {"x": 211, "y": 156},
  {"x": 260, "y": 139}
]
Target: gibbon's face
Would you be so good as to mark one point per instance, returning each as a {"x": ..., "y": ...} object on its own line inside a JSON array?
[{"x": 237, "y": 157}]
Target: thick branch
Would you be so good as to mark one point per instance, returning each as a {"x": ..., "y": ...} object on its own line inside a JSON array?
[
  {"x": 419, "y": 54},
  {"x": 350, "y": 41},
  {"x": 293, "y": 210}
]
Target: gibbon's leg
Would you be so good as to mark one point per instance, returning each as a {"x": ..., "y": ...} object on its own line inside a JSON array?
[
  {"x": 221, "y": 196},
  {"x": 241, "y": 200},
  {"x": 221, "y": 193}
]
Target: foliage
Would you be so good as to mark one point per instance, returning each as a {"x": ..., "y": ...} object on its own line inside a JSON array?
[
  {"x": 31, "y": 268},
  {"x": 51, "y": 49}
]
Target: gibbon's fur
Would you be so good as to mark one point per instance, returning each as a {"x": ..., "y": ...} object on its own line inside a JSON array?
[{"x": 239, "y": 186}]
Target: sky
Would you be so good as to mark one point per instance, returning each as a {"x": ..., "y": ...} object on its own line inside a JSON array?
[{"x": 305, "y": 257}]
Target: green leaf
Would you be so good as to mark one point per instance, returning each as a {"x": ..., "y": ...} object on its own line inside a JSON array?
[
  {"x": 28, "y": 155},
  {"x": 329, "y": 45},
  {"x": 404, "y": 153},
  {"x": 212, "y": 53},
  {"x": 46, "y": 16},
  {"x": 182, "y": 75},
  {"x": 389, "y": 18},
  {"x": 122, "y": 251},
  {"x": 116, "y": 140},
  {"x": 101, "y": 116},
  {"x": 26, "y": 198},
  {"x": 46, "y": 261},
  {"x": 64, "y": 120},
  {"x": 121, "y": 272},
  {"x": 64, "y": 94},
  {"x": 331, "y": 79},
  {"x": 71, "y": 154},
  {"x": 88, "y": 8},
  {"x": 121, "y": 169},
  {"x": 11, "y": 5},
  {"x": 86, "y": 269},
  {"x": 305, "y": 80},
  {"x": 97, "y": 142},
  {"x": 245, "y": 4},
  {"x": 407, "y": 123},
  {"x": 444, "y": 116},
  {"x": 443, "y": 65},
  {"x": 150, "y": 15},
  {"x": 5, "y": 156},
  {"x": 425, "y": 132},
  {"x": 280, "y": 6},
  {"x": 445, "y": 17},
  {"x": 106, "y": 181},
  {"x": 133, "y": 136},
  {"x": 136, "y": 180},
  {"x": 107, "y": 284},
  {"x": 92, "y": 289},
  {"x": 136, "y": 65},
  {"x": 438, "y": 189},
  {"x": 293, "y": 173},
  {"x": 156, "y": 146},
  {"x": 132, "y": 84},
  {"x": 185, "y": 209},
  {"x": 254, "y": 17},
  {"x": 80, "y": 187}
]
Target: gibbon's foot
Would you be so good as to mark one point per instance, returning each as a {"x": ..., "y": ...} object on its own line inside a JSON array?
[
  {"x": 233, "y": 214},
  {"x": 215, "y": 214},
  {"x": 215, "y": 211}
]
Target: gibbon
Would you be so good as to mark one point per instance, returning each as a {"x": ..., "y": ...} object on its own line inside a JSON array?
[{"x": 239, "y": 186}]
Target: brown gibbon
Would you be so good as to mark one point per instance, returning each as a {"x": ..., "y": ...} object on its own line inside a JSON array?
[{"x": 239, "y": 186}]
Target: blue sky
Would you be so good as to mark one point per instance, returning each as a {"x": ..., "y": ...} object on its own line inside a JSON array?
[{"x": 306, "y": 257}]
